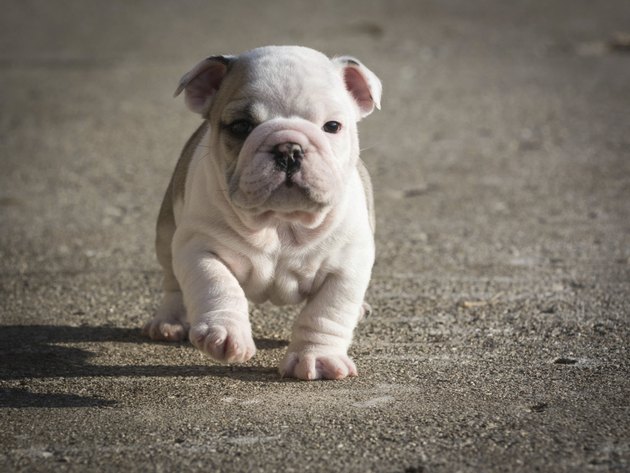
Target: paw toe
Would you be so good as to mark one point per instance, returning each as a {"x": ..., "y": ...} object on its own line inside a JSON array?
[
  {"x": 309, "y": 366},
  {"x": 165, "y": 330},
  {"x": 225, "y": 344}
]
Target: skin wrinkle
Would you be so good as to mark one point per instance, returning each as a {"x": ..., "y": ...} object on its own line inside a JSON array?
[{"x": 322, "y": 326}]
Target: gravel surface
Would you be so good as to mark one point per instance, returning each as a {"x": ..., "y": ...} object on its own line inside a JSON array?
[{"x": 501, "y": 167}]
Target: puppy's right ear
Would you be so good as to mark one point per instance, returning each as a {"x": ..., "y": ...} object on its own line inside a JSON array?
[{"x": 202, "y": 82}]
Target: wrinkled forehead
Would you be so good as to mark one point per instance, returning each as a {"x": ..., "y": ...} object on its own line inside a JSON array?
[{"x": 271, "y": 85}]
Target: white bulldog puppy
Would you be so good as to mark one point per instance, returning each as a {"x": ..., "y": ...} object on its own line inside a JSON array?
[{"x": 270, "y": 201}]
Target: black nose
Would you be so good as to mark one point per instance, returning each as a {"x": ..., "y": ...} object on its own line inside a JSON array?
[{"x": 288, "y": 157}]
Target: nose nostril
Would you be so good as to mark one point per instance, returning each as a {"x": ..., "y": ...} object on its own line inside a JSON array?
[
  {"x": 281, "y": 161},
  {"x": 288, "y": 157}
]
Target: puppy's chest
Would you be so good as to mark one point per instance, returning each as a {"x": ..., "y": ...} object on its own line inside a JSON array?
[{"x": 282, "y": 277}]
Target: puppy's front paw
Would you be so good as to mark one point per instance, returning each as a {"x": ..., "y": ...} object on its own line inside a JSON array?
[
  {"x": 310, "y": 366},
  {"x": 225, "y": 342}
]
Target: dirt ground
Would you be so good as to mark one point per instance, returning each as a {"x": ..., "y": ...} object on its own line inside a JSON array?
[{"x": 501, "y": 167}]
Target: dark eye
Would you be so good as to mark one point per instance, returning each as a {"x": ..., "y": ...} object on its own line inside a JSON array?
[
  {"x": 332, "y": 127},
  {"x": 240, "y": 128}
]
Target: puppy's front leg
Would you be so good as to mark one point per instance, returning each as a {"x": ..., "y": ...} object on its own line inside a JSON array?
[
  {"x": 323, "y": 330},
  {"x": 215, "y": 303}
]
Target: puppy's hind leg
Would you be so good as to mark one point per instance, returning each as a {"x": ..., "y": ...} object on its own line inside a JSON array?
[{"x": 169, "y": 322}]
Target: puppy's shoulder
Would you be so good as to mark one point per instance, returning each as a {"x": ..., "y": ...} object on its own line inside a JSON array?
[
  {"x": 369, "y": 193},
  {"x": 178, "y": 182}
]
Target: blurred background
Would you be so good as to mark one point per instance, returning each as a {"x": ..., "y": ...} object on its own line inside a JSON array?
[{"x": 496, "y": 116}]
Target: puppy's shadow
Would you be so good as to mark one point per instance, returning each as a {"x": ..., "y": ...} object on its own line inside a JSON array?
[{"x": 39, "y": 351}]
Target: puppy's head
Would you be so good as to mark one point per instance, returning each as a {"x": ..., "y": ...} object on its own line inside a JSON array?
[{"x": 283, "y": 123}]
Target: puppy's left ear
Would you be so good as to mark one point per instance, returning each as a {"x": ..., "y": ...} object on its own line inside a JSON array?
[
  {"x": 202, "y": 82},
  {"x": 362, "y": 84}
]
